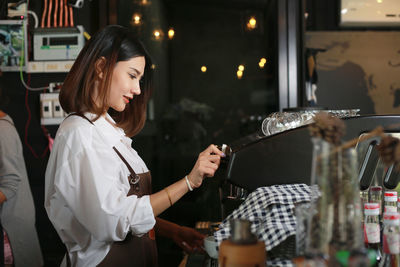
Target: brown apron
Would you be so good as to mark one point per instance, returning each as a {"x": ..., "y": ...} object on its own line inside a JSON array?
[{"x": 134, "y": 251}]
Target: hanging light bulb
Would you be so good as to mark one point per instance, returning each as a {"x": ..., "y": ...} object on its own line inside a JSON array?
[
  {"x": 171, "y": 33},
  {"x": 239, "y": 74},
  {"x": 262, "y": 62},
  {"x": 241, "y": 68},
  {"x": 136, "y": 19},
  {"x": 157, "y": 34},
  {"x": 252, "y": 23},
  {"x": 203, "y": 68}
]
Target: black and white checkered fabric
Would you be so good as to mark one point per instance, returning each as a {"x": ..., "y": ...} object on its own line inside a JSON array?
[{"x": 271, "y": 211}]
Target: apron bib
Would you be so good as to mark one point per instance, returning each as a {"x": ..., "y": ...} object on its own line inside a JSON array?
[{"x": 133, "y": 251}]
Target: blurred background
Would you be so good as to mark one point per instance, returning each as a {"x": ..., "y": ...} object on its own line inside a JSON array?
[{"x": 221, "y": 66}]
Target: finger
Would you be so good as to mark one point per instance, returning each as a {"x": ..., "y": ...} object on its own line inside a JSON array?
[
  {"x": 206, "y": 167},
  {"x": 209, "y": 172},
  {"x": 215, "y": 150},
  {"x": 211, "y": 158}
]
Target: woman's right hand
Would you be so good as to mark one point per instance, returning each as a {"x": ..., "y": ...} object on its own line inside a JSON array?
[{"x": 206, "y": 165}]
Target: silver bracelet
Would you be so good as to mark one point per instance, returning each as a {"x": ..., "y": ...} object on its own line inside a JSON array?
[{"x": 188, "y": 183}]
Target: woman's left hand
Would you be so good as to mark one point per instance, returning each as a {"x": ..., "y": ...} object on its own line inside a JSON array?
[{"x": 189, "y": 239}]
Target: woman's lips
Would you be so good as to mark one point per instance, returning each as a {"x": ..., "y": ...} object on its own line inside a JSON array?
[{"x": 126, "y": 99}]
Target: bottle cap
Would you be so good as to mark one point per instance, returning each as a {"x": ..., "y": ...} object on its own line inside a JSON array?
[
  {"x": 376, "y": 188},
  {"x": 391, "y": 218},
  {"x": 391, "y": 193},
  {"x": 391, "y": 196},
  {"x": 371, "y": 208}
]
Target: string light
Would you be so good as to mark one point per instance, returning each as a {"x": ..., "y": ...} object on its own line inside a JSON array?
[
  {"x": 171, "y": 33},
  {"x": 203, "y": 68},
  {"x": 262, "y": 62},
  {"x": 157, "y": 34},
  {"x": 239, "y": 74},
  {"x": 252, "y": 23},
  {"x": 136, "y": 19},
  {"x": 241, "y": 68},
  {"x": 145, "y": 2}
]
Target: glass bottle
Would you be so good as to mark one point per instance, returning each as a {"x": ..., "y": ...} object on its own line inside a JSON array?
[
  {"x": 391, "y": 238},
  {"x": 364, "y": 199},
  {"x": 390, "y": 204},
  {"x": 398, "y": 203},
  {"x": 334, "y": 222},
  {"x": 372, "y": 231},
  {"x": 375, "y": 196}
]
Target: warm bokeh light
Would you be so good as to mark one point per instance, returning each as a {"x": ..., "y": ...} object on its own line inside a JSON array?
[
  {"x": 153, "y": 66},
  {"x": 203, "y": 68},
  {"x": 379, "y": 1},
  {"x": 241, "y": 68},
  {"x": 136, "y": 19},
  {"x": 157, "y": 34},
  {"x": 171, "y": 33},
  {"x": 239, "y": 74},
  {"x": 261, "y": 64},
  {"x": 252, "y": 23},
  {"x": 263, "y": 60}
]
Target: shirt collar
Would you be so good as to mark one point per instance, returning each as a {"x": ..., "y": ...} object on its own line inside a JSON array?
[
  {"x": 109, "y": 132},
  {"x": 8, "y": 118}
]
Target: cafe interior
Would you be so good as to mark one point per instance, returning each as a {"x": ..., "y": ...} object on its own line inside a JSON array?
[{"x": 250, "y": 76}]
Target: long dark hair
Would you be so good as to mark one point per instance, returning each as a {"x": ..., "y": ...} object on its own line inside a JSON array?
[{"x": 113, "y": 43}]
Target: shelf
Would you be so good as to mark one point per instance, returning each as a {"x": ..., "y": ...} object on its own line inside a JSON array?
[
  {"x": 51, "y": 121},
  {"x": 49, "y": 66}
]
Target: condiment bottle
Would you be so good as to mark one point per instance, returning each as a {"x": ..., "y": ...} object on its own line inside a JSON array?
[{"x": 242, "y": 249}]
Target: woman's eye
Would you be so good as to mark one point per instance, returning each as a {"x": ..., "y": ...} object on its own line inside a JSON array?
[{"x": 132, "y": 76}]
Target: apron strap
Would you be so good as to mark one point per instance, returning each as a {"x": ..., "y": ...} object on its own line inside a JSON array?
[
  {"x": 80, "y": 115},
  {"x": 133, "y": 178}
]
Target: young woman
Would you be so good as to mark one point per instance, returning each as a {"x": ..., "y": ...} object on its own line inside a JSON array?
[{"x": 98, "y": 190}]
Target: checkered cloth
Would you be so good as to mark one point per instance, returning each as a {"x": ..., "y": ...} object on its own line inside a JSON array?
[{"x": 271, "y": 211}]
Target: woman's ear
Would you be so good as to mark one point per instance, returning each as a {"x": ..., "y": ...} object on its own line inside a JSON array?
[{"x": 99, "y": 67}]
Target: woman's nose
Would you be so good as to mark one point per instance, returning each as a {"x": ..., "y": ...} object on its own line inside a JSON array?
[{"x": 136, "y": 89}]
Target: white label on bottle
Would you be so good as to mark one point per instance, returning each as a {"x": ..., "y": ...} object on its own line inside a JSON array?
[
  {"x": 390, "y": 209},
  {"x": 393, "y": 243},
  {"x": 373, "y": 232}
]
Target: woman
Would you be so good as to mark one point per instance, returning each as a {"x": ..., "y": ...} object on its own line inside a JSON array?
[
  {"x": 98, "y": 190},
  {"x": 17, "y": 210}
]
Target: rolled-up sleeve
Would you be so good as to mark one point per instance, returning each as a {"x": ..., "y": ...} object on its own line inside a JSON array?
[{"x": 89, "y": 183}]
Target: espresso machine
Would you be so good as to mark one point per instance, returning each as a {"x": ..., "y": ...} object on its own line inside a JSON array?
[{"x": 257, "y": 160}]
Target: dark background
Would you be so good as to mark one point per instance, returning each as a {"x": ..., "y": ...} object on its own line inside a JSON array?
[{"x": 192, "y": 109}]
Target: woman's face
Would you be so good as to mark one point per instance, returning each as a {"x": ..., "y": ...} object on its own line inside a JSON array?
[{"x": 125, "y": 83}]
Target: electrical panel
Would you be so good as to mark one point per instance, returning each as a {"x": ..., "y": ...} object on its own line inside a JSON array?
[
  {"x": 370, "y": 13},
  {"x": 13, "y": 50},
  {"x": 51, "y": 111},
  {"x": 57, "y": 43}
]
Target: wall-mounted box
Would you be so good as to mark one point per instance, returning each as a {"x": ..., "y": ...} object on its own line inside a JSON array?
[
  {"x": 57, "y": 43},
  {"x": 51, "y": 111},
  {"x": 370, "y": 13},
  {"x": 13, "y": 48},
  {"x": 49, "y": 66}
]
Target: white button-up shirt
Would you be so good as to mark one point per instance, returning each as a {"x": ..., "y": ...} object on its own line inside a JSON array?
[{"x": 86, "y": 189}]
